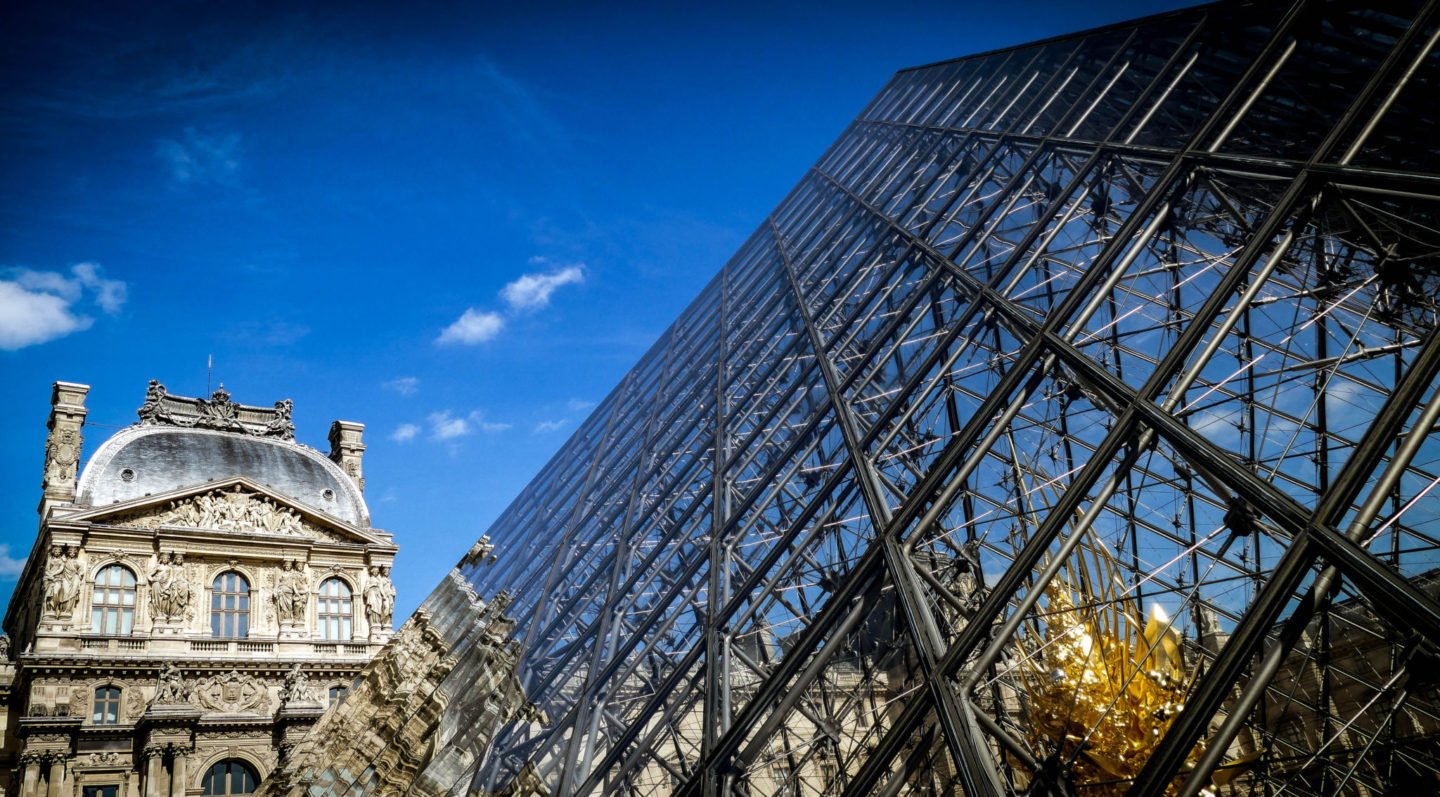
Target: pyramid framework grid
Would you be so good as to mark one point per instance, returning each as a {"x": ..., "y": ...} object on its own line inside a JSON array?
[{"x": 1134, "y": 323}]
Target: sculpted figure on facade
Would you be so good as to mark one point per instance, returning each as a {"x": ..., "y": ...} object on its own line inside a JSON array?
[
  {"x": 149, "y": 412},
  {"x": 379, "y": 598},
  {"x": 296, "y": 688},
  {"x": 170, "y": 588},
  {"x": 62, "y": 580},
  {"x": 170, "y": 688},
  {"x": 292, "y": 593},
  {"x": 282, "y": 425}
]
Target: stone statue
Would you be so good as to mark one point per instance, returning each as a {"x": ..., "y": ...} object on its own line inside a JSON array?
[
  {"x": 170, "y": 588},
  {"x": 291, "y": 593},
  {"x": 170, "y": 689},
  {"x": 149, "y": 412},
  {"x": 4, "y": 647},
  {"x": 296, "y": 688},
  {"x": 282, "y": 425},
  {"x": 62, "y": 580},
  {"x": 52, "y": 579},
  {"x": 379, "y": 598}
]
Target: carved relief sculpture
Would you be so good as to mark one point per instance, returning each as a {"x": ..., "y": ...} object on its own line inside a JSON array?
[
  {"x": 62, "y": 452},
  {"x": 233, "y": 693},
  {"x": 230, "y": 510}
]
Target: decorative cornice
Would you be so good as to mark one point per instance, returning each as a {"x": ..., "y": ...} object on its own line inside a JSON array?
[{"x": 217, "y": 412}]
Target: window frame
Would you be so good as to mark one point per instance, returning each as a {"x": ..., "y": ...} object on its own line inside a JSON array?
[
  {"x": 112, "y": 605},
  {"x": 335, "y": 613},
  {"x": 230, "y": 621},
  {"x": 100, "y": 703}
]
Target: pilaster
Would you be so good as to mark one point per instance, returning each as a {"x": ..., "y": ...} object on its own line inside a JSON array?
[{"x": 63, "y": 445}]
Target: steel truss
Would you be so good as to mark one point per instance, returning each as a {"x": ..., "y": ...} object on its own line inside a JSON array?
[{"x": 1162, "y": 293}]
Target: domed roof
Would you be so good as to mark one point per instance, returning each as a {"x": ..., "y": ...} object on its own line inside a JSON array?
[{"x": 149, "y": 460}]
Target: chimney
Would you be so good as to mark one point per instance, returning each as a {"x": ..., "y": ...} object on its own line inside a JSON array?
[
  {"x": 346, "y": 449},
  {"x": 62, "y": 446}
]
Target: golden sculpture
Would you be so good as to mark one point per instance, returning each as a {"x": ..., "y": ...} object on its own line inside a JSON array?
[{"x": 1102, "y": 686}]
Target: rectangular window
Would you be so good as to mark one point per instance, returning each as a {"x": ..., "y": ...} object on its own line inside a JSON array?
[
  {"x": 107, "y": 706},
  {"x": 112, "y": 790}
]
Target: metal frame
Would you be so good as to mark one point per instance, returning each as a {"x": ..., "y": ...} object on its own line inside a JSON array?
[{"x": 1167, "y": 287}]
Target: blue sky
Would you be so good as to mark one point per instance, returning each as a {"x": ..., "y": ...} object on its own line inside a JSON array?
[{"x": 459, "y": 224}]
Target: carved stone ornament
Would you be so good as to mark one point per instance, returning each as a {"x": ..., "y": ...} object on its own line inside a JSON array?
[
  {"x": 104, "y": 758},
  {"x": 235, "y": 509},
  {"x": 233, "y": 693},
  {"x": 62, "y": 452},
  {"x": 216, "y": 412}
]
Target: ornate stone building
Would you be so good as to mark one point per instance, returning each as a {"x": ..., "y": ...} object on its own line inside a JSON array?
[{"x": 194, "y": 600}]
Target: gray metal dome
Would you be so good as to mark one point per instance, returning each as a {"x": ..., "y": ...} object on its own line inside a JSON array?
[{"x": 149, "y": 460}]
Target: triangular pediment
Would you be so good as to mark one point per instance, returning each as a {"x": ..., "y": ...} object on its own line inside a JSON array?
[{"x": 237, "y": 505}]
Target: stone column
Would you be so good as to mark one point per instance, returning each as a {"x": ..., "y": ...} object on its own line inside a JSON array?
[
  {"x": 154, "y": 773},
  {"x": 30, "y": 781},
  {"x": 177, "y": 775},
  {"x": 57, "y": 777}
]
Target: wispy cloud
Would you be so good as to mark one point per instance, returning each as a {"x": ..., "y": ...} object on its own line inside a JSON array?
[
  {"x": 404, "y": 385},
  {"x": 578, "y": 405},
  {"x": 270, "y": 333},
  {"x": 446, "y": 425},
  {"x": 40, "y": 306},
  {"x": 10, "y": 567},
  {"x": 472, "y": 327},
  {"x": 533, "y": 291},
  {"x": 405, "y": 432},
  {"x": 551, "y": 426},
  {"x": 196, "y": 158}
]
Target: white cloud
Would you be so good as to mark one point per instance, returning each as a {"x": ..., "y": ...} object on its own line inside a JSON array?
[
  {"x": 551, "y": 426},
  {"x": 40, "y": 306},
  {"x": 579, "y": 405},
  {"x": 199, "y": 158},
  {"x": 405, "y": 432},
  {"x": 446, "y": 425},
  {"x": 472, "y": 327},
  {"x": 533, "y": 291},
  {"x": 10, "y": 567},
  {"x": 404, "y": 385}
]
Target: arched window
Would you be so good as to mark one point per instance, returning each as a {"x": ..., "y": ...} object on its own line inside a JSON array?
[
  {"x": 230, "y": 606},
  {"x": 112, "y": 606},
  {"x": 337, "y": 693},
  {"x": 107, "y": 706},
  {"x": 336, "y": 608},
  {"x": 229, "y": 777}
]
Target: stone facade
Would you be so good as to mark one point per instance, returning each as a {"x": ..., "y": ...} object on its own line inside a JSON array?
[{"x": 193, "y": 600}]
